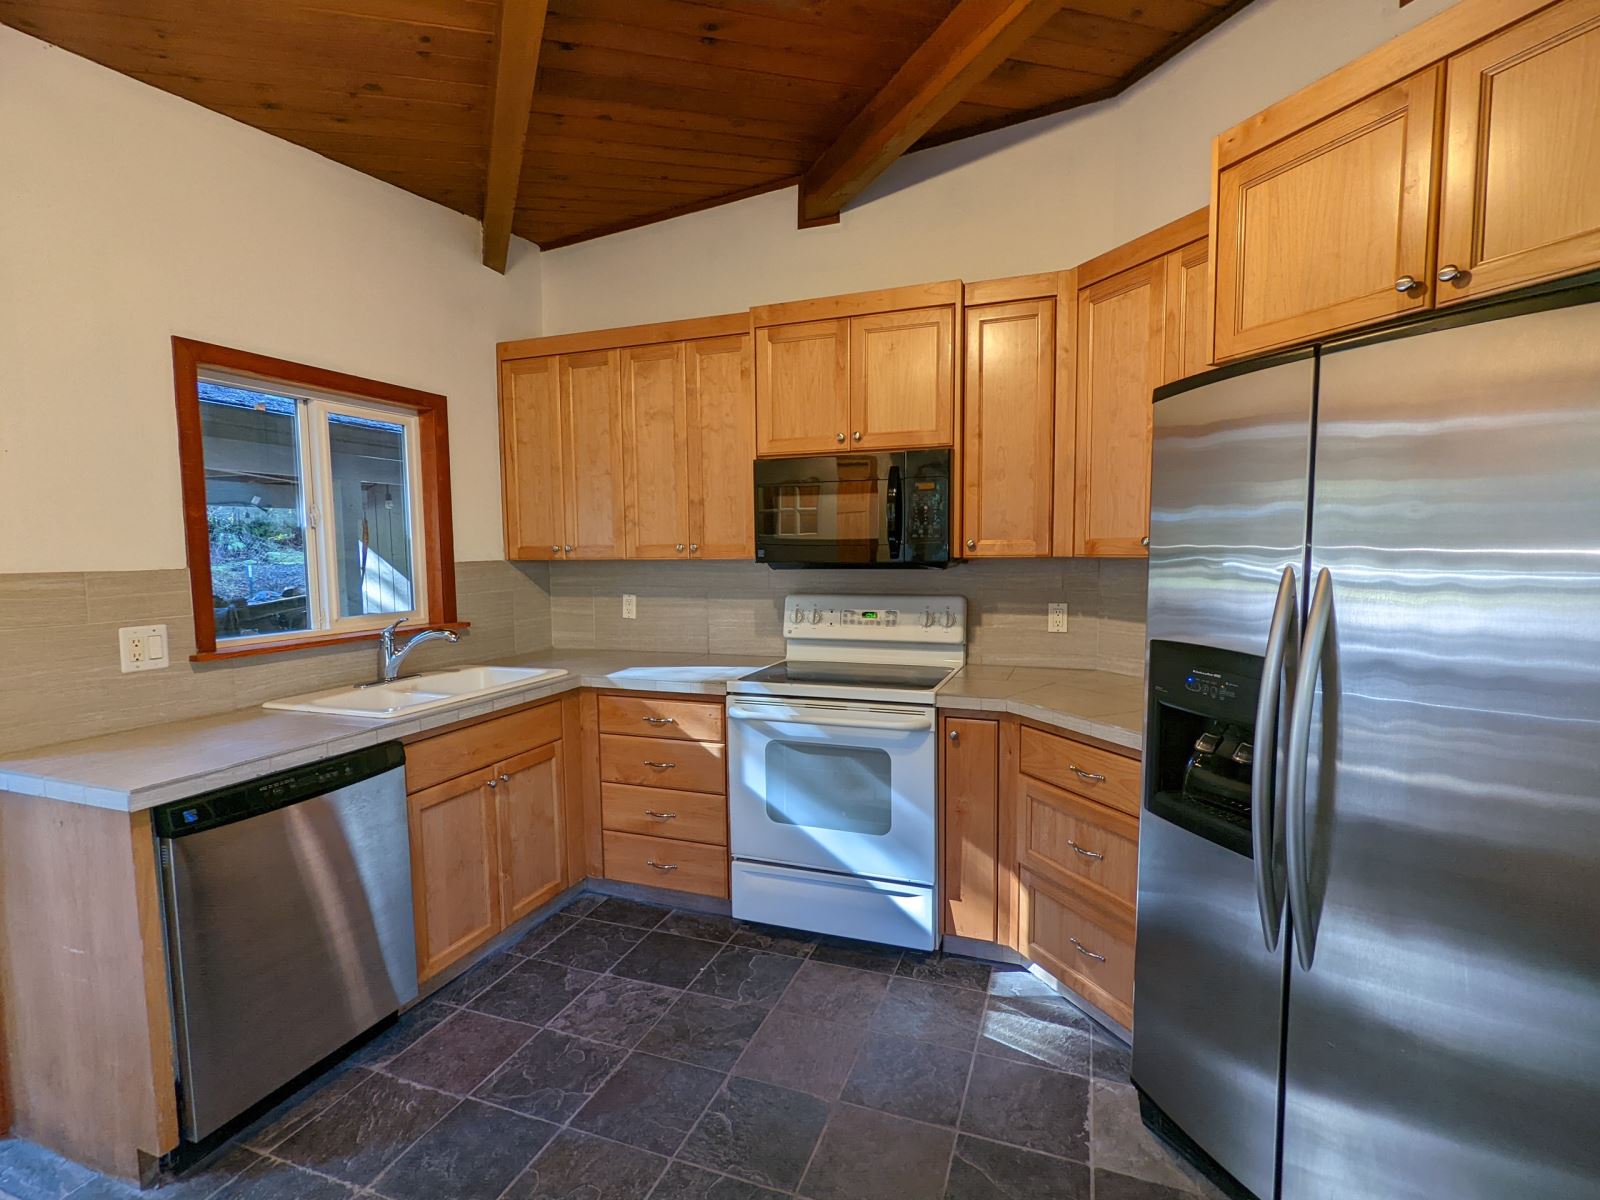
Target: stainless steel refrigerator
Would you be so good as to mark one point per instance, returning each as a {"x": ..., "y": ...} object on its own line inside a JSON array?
[{"x": 1368, "y": 957}]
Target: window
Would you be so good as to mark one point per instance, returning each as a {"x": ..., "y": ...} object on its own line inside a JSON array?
[{"x": 313, "y": 502}]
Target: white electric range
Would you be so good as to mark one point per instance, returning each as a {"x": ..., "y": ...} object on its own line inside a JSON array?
[{"x": 833, "y": 768}]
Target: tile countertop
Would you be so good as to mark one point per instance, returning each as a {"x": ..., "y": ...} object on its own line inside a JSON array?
[{"x": 141, "y": 768}]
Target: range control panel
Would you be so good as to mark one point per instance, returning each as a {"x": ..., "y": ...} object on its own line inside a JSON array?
[{"x": 938, "y": 619}]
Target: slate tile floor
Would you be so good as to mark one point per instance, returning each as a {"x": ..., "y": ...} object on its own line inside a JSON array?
[{"x": 622, "y": 1051}]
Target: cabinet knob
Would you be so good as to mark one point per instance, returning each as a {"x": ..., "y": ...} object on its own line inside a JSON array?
[
  {"x": 1450, "y": 272},
  {"x": 856, "y": 435},
  {"x": 494, "y": 783},
  {"x": 955, "y": 735},
  {"x": 972, "y": 544},
  {"x": 505, "y": 779},
  {"x": 555, "y": 549},
  {"x": 838, "y": 437},
  {"x": 694, "y": 547},
  {"x": 1144, "y": 541},
  {"x": 679, "y": 547},
  {"x": 1406, "y": 283},
  {"x": 568, "y": 549}
]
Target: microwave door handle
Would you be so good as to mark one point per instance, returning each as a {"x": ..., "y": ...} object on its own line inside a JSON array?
[{"x": 892, "y": 504}]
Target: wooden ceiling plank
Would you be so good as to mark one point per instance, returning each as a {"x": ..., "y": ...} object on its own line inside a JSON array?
[
  {"x": 692, "y": 106},
  {"x": 1169, "y": 16},
  {"x": 478, "y": 16},
  {"x": 968, "y": 45},
  {"x": 557, "y": 242},
  {"x": 638, "y": 134},
  {"x": 1025, "y": 85},
  {"x": 749, "y": 164},
  {"x": 539, "y": 162},
  {"x": 1093, "y": 32},
  {"x": 516, "y": 68}
]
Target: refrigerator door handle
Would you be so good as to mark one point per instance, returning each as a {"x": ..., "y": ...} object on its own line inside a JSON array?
[
  {"x": 1265, "y": 830},
  {"x": 1317, "y": 621}
]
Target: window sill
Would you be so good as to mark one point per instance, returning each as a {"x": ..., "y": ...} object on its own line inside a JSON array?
[{"x": 313, "y": 641}]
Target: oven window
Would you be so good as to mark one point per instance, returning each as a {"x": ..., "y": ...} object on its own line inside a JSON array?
[{"x": 843, "y": 788}]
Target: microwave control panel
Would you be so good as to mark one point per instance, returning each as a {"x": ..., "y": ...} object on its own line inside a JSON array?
[
  {"x": 927, "y": 510},
  {"x": 876, "y": 618}
]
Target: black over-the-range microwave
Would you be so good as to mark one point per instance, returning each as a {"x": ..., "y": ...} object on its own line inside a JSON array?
[{"x": 854, "y": 510}]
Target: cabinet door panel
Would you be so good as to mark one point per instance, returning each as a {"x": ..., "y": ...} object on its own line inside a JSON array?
[
  {"x": 530, "y": 431},
  {"x": 455, "y": 870},
  {"x": 722, "y": 447},
  {"x": 971, "y": 783},
  {"x": 1121, "y": 360},
  {"x": 902, "y": 380},
  {"x": 1008, "y": 422},
  {"x": 1522, "y": 163},
  {"x": 802, "y": 387},
  {"x": 591, "y": 414},
  {"x": 1086, "y": 949},
  {"x": 656, "y": 451},
  {"x": 1188, "y": 312},
  {"x": 1314, "y": 232},
  {"x": 529, "y": 796}
]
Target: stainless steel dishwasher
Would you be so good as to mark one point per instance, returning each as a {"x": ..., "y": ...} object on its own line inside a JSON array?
[{"x": 289, "y": 924}]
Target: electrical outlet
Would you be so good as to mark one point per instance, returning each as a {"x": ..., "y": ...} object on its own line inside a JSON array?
[
  {"x": 630, "y": 606},
  {"x": 1056, "y": 621},
  {"x": 143, "y": 648}
]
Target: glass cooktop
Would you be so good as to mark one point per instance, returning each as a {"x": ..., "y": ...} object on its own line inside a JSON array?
[{"x": 911, "y": 676}]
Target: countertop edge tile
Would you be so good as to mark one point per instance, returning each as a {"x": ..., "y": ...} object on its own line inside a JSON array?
[{"x": 313, "y": 736}]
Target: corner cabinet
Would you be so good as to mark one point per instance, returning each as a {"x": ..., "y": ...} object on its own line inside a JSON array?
[
  {"x": 1008, "y": 419},
  {"x": 641, "y": 449},
  {"x": 871, "y": 371},
  {"x": 1458, "y": 160},
  {"x": 492, "y": 806},
  {"x": 969, "y": 773},
  {"x": 1139, "y": 323}
]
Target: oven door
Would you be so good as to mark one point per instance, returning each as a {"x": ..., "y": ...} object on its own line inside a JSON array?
[{"x": 833, "y": 786}]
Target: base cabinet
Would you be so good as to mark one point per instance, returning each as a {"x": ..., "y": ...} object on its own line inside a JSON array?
[
  {"x": 969, "y": 807},
  {"x": 489, "y": 844}
]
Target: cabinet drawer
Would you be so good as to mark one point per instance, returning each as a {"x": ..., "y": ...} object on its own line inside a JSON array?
[
  {"x": 1088, "y": 951},
  {"x": 646, "y": 716},
  {"x": 657, "y": 762},
  {"x": 686, "y": 816},
  {"x": 1095, "y": 846},
  {"x": 1085, "y": 770},
  {"x": 436, "y": 759},
  {"x": 667, "y": 863}
]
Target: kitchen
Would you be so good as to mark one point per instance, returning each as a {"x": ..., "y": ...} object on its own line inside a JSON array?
[{"x": 1193, "y": 791}]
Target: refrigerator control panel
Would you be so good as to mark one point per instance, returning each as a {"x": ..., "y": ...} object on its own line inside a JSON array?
[{"x": 1211, "y": 684}]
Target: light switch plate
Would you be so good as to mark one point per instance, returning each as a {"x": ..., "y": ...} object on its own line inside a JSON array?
[
  {"x": 1056, "y": 621},
  {"x": 630, "y": 606},
  {"x": 144, "y": 648}
]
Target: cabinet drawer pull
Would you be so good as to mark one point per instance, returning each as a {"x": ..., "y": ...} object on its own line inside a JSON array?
[
  {"x": 660, "y": 816},
  {"x": 660, "y": 720},
  {"x": 1086, "y": 853},
  {"x": 660, "y": 766},
  {"x": 650, "y": 862},
  {"x": 1086, "y": 776},
  {"x": 1081, "y": 950}
]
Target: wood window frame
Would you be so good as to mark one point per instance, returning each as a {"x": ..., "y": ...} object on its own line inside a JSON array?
[{"x": 190, "y": 359}]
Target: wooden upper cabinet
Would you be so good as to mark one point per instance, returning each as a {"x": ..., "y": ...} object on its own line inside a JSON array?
[
  {"x": 1521, "y": 189},
  {"x": 802, "y": 387},
  {"x": 1121, "y": 360},
  {"x": 530, "y": 430},
  {"x": 591, "y": 413},
  {"x": 528, "y": 792},
  {"x": 655, "y": 443},
  {"x": 721, "y": 445},
  {"x": 1007, "y": 428},
  {"x": 1328, "y": 229},
  {"x": 1188, "y": 312},
  {"x": 902, "y": 380}
]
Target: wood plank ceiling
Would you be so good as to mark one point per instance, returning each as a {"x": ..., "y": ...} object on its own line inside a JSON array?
[{"x": 641, "y": 109}]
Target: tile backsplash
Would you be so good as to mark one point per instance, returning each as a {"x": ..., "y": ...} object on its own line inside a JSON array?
[
  {"x": 61, "y": 680},
  {"x": 737, "y": 608}
]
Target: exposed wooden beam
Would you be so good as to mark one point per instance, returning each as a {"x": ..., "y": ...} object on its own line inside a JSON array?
[
  {"x": 516, "y": 66},
  {"x": 968, "y": 46}
]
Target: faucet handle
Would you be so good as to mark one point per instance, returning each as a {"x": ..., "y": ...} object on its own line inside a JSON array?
[{"x": 389, "y": 630}]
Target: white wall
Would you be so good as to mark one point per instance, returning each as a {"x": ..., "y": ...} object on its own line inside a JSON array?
[
  {"x": 1039, "y": 196},
  {"x": 127, "y": 216}
]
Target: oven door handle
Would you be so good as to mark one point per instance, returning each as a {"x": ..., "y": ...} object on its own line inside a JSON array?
[{"x": 908, "y": 722}]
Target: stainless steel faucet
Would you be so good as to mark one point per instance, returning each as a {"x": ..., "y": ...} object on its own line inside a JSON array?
[{"x": 394, "y": 655}]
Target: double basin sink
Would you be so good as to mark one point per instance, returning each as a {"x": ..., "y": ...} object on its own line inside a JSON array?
[{"x": 418, "y": 693}]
